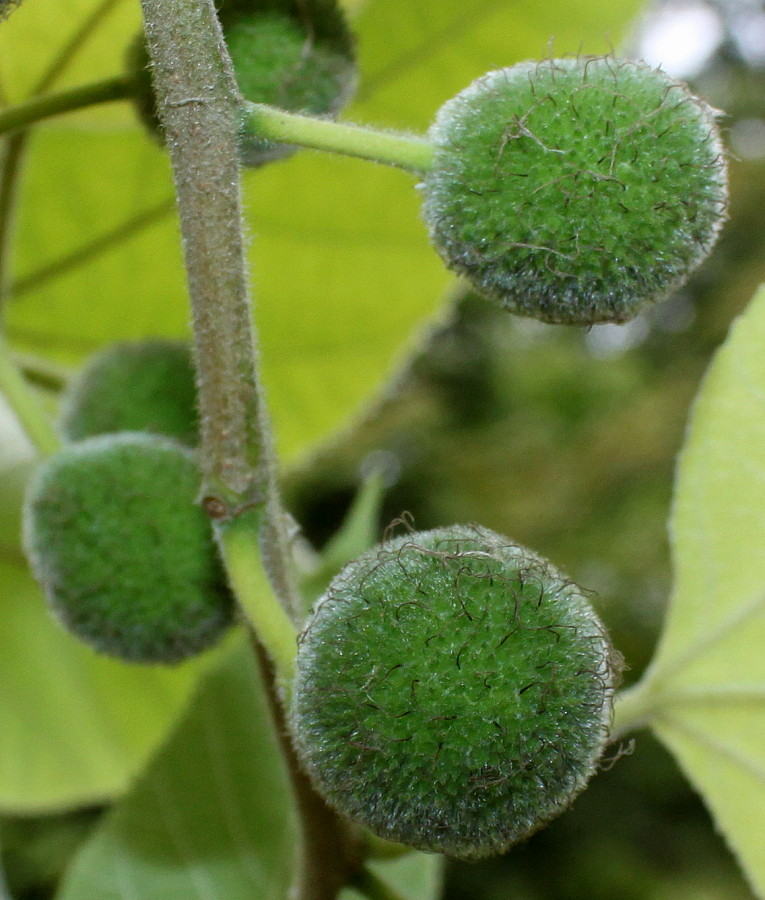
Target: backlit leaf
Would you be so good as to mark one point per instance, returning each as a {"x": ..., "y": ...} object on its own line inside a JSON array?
[
  {"x": 76, "y": 727},
  {"x": 211, "y": 818},
  {"x": 704, "y": 695}
]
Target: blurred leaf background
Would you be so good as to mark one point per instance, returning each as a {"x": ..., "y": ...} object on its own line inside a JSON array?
[{"x": 564, "y": 439}]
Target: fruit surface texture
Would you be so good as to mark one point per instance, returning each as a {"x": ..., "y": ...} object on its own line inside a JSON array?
[
  {"x": 122, "y": 550},
  {"x": 453, "y": 691},
  {"x": 575, "y": 190},
  {"x": 133, "y": 386}
]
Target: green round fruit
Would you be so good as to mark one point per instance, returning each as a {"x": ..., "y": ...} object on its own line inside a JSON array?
[
  {"x": 453, "y": 691},
  {"x": 141, "y": 386},
  {"x": 298, "y": 56},
  {"x": 575, "y": 190},
  {"x": 122, "y": 550}
]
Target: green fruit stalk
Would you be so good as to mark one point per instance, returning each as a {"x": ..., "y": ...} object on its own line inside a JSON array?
[
  {"x": 297, "y": 56},
  {"x": 575, "y": 190},
  {"x": 122, "y": 550},
  {"x": 139, "y": 386},
  {"x": 453, "y": 691}
]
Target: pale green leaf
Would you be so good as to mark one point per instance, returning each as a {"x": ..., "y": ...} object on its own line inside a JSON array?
[
  {"x": 705, "y": 692},
  {"x": 416, "y": 55},
  {"x": 211, "y": 817},
  {"x": 33, "y": 37},
  {"x": 76, "y": 727},
  {"x": 343, "y": 272},
  {"x": 416, "y": 876}
]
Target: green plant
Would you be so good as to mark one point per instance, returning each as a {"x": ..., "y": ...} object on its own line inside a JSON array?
[
  {"x": 141, "y": 386},
  {"x": 123, "y": 552},
  {"x": 453, "y": 691},
  {"x": 390, "y": 704},
  {"x": 580, "y": 217}
]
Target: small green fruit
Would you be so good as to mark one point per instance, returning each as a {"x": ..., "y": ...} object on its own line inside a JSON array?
[
  {"x": 298, "y": 56},
  {"x": 141, "y": 386},
  {"x": 122, "y": 550},
  {"x": 575, "y": 190},
  {"x": 300, "y": 59},
  {"x": 453, "y": 691}
]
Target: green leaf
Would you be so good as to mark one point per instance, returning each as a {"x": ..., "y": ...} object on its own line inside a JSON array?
[
  {"x": 343, "y": 272},
  {"x": 76, "y": 727},
  {"x": 211, "y": 817},
  {"x": 416, "y": 876},
  {"x": 39, "y": 30},
  {"x": 704, "y": 694},
  {"x": 416, "y": 55}
]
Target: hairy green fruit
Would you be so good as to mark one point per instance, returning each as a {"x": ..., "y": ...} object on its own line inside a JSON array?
[
  {"x": 453, "y": 691},
  {"x": 122, "y": 550},
  {"x": 141, "y": 386},
  {"x": 575, "y": 190},
  {"x": 297, "y": 55}
]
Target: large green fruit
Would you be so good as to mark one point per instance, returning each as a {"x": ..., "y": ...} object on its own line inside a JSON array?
[
  {"x": 575, "y": 190},
  {"x": 453, "y": 691}
]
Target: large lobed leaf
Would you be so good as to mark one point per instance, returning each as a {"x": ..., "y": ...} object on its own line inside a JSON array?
[
  {"x": 704, "y": 694},
  {"x": 211, "y": 818}
]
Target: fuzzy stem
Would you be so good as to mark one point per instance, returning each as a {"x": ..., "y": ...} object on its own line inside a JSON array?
[
  {"x": 403, "y": 151},
  {"x": 25, "y": 406},
  {"x": 198, "y": 104},
  {"x": 200, "y": 110},
  {"x": 30, "y": 112},
  {"x": 199, "y": 107},
  {"x": 332, "y": 849}
]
